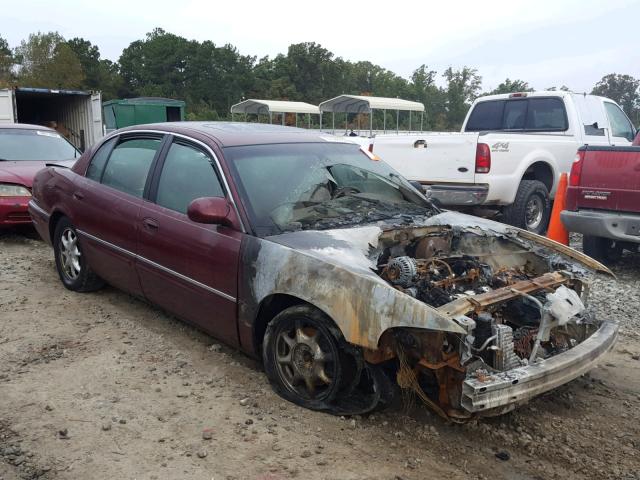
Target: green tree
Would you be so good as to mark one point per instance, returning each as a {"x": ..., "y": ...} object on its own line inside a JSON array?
[
  {"x": 99, "y": 74},
  {"x": 624, "y": 89},
  {"x": 511, "y": 86},
  {"x": 208, "y": 77},
  {"x": 46, "y": 60},
  {"x": 423, "y": 89},
  {"x": 6, "y": 63},
  {"x": 463, "y": 87},
  {"x": 563, "y": 88}
]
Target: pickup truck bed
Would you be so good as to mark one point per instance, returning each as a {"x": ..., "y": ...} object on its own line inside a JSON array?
[{"x": 603, "y": 200}]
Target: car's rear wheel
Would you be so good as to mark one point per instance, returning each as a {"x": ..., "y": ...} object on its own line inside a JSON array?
[
  {"x": 531, "y": 207},
  {"x": 72, "y": 266},
  {"x": 603, "y": 249},
  {"x": 302, "y": 357}
]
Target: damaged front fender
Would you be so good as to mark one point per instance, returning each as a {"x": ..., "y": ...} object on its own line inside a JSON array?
[{"x": 361, "y": 304}]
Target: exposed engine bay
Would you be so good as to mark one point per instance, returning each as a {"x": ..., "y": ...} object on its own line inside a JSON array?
[{"x": 518, "y": 307}]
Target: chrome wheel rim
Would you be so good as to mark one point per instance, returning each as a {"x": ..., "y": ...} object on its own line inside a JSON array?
[
  {"x": 533, "y": 213},
  {"x": 69, "y": 254},
  {"x": 305, "y": 361}
]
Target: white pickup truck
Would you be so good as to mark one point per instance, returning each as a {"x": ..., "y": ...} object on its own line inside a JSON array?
[{"x": 510, "y": 152}]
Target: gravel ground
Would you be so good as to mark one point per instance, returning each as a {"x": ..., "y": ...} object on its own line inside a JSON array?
[{"x": 104, "y": 386}]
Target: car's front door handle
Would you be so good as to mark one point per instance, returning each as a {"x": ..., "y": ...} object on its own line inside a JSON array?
[
  {"x": 150, "y": 224},
  {"x": 78, "y": 195}
]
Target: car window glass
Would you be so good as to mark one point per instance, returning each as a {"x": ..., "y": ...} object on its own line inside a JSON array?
[
  {"x": 546, "y": 114},
  {"x": 129, "y": 164},
  {"x": 188, "y": 173},
  {"x": 94, "y": 171},
  {"x": 514, "y": 114},
  {"x": 620, "y": 125},
  {"x": 22, "y": 144},
  {"x": 486, "y": 116}
]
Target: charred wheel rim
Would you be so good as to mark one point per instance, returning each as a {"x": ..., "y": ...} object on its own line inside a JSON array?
[
  {"x": 533, "y": 212},
  {"x": 69, "y": 253},
  {"x": 306, "y": 360}
]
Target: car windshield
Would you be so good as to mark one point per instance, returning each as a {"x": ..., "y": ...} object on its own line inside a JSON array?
[
  {"x": 319, "y": 186},
  {"x": 44, "y": 145}
]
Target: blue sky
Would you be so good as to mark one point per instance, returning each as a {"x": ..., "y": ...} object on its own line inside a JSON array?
[{"x": 547, "y": 43}]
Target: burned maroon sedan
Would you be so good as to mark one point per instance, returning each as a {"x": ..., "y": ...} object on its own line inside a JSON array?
[{"x": 304, "y": 250}]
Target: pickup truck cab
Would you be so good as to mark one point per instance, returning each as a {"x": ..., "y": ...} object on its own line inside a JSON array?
[
  {"x": 603, "y": 200},
  {"x": 510, "y": 152}
]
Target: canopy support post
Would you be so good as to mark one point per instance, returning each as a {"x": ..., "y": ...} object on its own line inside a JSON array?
[
  {"x": 384, "y": 121},
  {"x": 333, "y": 123},
  {"x": 370, "y": 123},
  {"x": 397, "y": 122},
  {"x": 409, "y": 121},
  {"x": 421, "y": 117}
]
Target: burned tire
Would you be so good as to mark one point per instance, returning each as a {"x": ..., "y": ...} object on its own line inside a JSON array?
[
  {"x": 71, "y": 264},
  {"x": 603, "y": 249},
  {"x": 303, "y": 357},
  {"x": 531, "y": 207}
]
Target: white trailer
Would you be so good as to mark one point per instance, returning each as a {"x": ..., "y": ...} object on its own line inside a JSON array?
[{"x": 76, "y": 114}]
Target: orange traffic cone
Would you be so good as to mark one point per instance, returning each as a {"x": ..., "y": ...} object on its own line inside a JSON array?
[{"x": 556, "y": 230}]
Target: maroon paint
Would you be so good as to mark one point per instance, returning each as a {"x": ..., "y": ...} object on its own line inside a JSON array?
[
  {"x": 207, "y": 254},
  {"x": 610, "y": 180}
]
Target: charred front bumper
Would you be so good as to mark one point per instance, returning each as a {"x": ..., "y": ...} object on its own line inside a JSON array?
[{"x": 500, "y": 392}]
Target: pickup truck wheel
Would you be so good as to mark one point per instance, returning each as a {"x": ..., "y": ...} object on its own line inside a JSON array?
[
  {"x": 71, "y": 264},
  {"x": 302, "y": 357},
  {"x": 603, "y": 249},
  {"x": 531, "y": 207}
]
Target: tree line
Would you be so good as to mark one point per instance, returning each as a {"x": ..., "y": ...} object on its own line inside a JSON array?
[{"x": 211, "y": 78}]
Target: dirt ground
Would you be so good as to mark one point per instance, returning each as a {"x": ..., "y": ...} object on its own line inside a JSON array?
[{"x": 105, "y": 386}]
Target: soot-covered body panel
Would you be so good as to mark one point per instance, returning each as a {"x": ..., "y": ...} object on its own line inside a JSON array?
[{"x": 440, "y": 306}]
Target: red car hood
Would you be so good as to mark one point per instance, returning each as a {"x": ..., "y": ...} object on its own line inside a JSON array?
[{"x": 22, "y": 172}]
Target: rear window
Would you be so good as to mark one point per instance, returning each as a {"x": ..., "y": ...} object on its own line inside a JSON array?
[
  {"x": 537, "y": 114},
  {"x": 486, "y": 116},
  {"x": 41, "y": 145}
]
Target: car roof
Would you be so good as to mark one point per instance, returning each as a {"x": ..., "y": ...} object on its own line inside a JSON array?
[
  {"x": 24, "y": 126},
  {"x": 229, "y": 134}
]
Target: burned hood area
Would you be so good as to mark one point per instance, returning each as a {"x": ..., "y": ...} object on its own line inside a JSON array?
[{"x": 471, "y": 316}]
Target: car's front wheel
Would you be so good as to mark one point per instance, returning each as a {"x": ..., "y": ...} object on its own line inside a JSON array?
[
  {"x": 71, "y": 264},
  {"x": 302, "y": 357}
]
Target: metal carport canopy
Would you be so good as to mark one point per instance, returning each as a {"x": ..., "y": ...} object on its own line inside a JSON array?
[
  {"x": 362, "y": 104},
  {"x": 253, "y": 106}
]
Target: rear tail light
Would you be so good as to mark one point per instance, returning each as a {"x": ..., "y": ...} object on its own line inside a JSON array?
[
  {"x": 371, "y": 147},
  {"x": 576, "y": 170},
  {"x": 483, "y": 158}
]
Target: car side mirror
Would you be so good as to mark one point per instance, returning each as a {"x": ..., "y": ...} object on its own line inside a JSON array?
[{"x": 210, "y": 210}]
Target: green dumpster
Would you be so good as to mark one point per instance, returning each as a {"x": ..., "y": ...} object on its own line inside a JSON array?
[{"x": 135, "y": 111}]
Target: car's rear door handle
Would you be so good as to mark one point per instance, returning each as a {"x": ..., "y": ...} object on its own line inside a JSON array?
[
  {"x": 150, "y": 224},
  {"x": 78, "y": 195}
]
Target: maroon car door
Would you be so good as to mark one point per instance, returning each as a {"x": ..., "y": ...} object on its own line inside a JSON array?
[
  {"x": 106, "y": 205},
  {"x": 188, "y": 268}
]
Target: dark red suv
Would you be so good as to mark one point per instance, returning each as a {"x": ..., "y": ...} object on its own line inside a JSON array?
[{"x": 306, "y": 250}]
